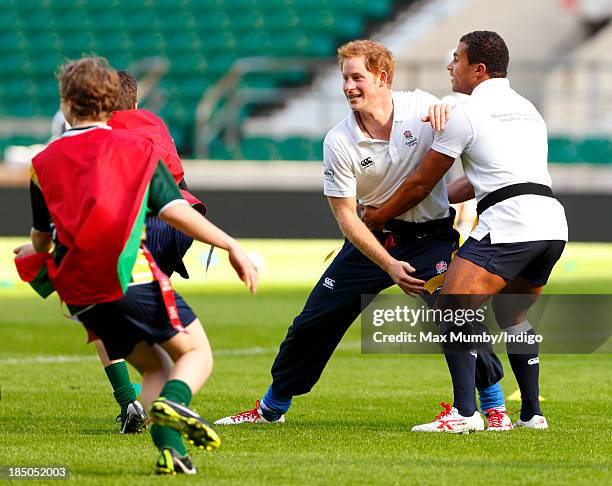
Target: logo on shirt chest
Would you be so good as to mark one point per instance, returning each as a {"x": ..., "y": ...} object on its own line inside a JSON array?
[
  {"x": 410, "y": 139},
  {"x": 367, "y": 162},
  {"x": 441, "y": 267}
]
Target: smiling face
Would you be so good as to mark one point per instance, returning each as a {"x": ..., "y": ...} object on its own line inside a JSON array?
[
  {"x": 464, "y": 76},
  {"x": 361, "y": 87}
]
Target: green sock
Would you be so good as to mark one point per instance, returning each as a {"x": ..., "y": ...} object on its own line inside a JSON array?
[
  {"x": 119, "y": 378},
  {"x": 177, "y": 391},
  {"x": 163, "y": 436}
]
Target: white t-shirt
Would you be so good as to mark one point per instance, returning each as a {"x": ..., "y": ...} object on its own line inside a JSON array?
[
  {"x": 502, "y": 140},
  {"x": 372, "y": 170}
]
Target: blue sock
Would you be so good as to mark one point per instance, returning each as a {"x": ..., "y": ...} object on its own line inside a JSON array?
[
  {"x": 491, "y": 397},
  {"x": 274, "y": 405}
]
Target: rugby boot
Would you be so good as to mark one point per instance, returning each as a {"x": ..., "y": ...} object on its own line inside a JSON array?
[{"x": 197, "y": 430}]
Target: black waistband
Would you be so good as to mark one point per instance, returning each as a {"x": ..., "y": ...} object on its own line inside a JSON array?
[
  {"x": 407, "y": 228},
  {"x": 513, "y": 190}
]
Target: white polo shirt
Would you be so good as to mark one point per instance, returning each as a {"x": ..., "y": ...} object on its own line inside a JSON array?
[
  {"x": 502, "y": 140},
  {"x": 372, "y": 170}
]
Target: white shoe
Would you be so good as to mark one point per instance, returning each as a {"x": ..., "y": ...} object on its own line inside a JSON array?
[
  {"x": 450, "y": 421},
  {"x": 537, "y": 422},
  {"x": 253, "y": 416},
  {"x": 497, "y": 420}
]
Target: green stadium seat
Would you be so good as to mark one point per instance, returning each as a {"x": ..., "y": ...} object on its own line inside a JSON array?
[
  {"x": 35, "y": 19},
  {"x": 146, "y": 44},
  {"x": 251, "y": 20},
  {"x": 108, "y": 21},
  {"x": 595, "y": 151},
  {"x": 280, "y": 19},
  {"x": 10, "y": 21},
  {"x": 72, "y": 20},
  {"x": 48, "y": 89},
  {"x": 219, "y": 65},
  {"x": 299, "y": 148},
  {"x": 562, "y": 150},
  {"x": 259, "y": 148},
  {"x": 11, "y": 41},
  {"x": 318, "y": 20},
  {"x": 215, "y": 41},
  {"x": 62, "y": 6},
  {"x": 120, "y": 60},
  {"x": 42, "y": 43},
  {"x": 212, "y": 20},
  {"x": 144, "y": 21},
  {"x": 219, "y": 151}
]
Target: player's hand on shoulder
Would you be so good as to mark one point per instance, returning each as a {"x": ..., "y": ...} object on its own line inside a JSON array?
[
  {"x": 371, "y": 217},
  {"x": 244, "y": 267},
  {"x": 24, "y": 250},
  {"x": 438, "y": 116},
  {"x": 400, "y": 273}
]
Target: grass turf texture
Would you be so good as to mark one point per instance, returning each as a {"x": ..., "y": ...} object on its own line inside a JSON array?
[{"x": 353, "y": 427}]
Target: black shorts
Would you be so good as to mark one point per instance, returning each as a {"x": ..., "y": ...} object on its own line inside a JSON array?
[
  {"x": 531, "y": 260},
  {"x": 139, "y": 316}
]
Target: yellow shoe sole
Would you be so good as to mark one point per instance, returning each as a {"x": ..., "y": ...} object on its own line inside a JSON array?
[{"x": 198, "y": 433}]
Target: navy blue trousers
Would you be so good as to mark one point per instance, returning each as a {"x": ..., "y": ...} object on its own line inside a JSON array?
[
  {"x": 335, "y": 302},
  {"x": 167, "y": 245}
]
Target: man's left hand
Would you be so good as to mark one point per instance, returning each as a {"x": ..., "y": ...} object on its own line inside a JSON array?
[
  {"x": 371, "y": 217},
  {"x": 438, "y": 116}
]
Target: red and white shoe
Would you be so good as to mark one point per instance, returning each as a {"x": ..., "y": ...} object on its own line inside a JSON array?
[
  {"x": 253, "y": 416},
  {"x": 537, "y": 422},
  {"x": 450, "y": 421},
  {"x": 497, "y": 420}
]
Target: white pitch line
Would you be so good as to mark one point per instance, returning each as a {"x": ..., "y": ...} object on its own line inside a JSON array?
[{"x": 59, "y": 359}]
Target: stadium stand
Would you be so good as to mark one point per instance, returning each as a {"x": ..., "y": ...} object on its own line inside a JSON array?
[
  {"x": 283, "y": 113},
  {"x": 201, "y": 39},
  {"x": 418, "y": 39},
  {"x": 581, "y": 122}
]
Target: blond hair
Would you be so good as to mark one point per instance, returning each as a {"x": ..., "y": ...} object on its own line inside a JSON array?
[{"x": 377, "y": 57}]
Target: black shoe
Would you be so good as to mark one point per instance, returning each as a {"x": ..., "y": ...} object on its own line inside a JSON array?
[
  {"x": 169, "y": 462},
  {"x": 134, "y": 421},
  {"x": 197, "y": 430}
]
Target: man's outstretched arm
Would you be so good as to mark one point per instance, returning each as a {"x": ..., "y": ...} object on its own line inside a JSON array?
[
  {"x": 345, "y": 212},
  {"x": 413, "y": 190}
]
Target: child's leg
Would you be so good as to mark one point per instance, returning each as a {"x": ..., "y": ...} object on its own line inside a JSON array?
[
  {"x": 154, "y": 364},
  {"x": 151, "y": 362},
  {"x": 193, "y": 365},
  {"x": 192, "y": 356},
  {"x": 118, "y": 376}
]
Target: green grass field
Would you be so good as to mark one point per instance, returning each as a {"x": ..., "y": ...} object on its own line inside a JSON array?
[{"x": 56, "y": 405}]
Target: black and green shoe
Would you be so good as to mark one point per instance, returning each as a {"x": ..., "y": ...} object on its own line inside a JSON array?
[
  {"x": 134, "y": 421},
  {"x": 197, "y": 430},
  {"x": 170, "y": 463}
]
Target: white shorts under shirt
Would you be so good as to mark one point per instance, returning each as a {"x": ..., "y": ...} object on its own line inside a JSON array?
[
  {"x": 372, "y": 170},
  {"x": 502, "y": 140}
]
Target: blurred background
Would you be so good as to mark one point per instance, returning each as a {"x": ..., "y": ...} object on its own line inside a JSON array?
[{"x": 248, "y": 89}]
